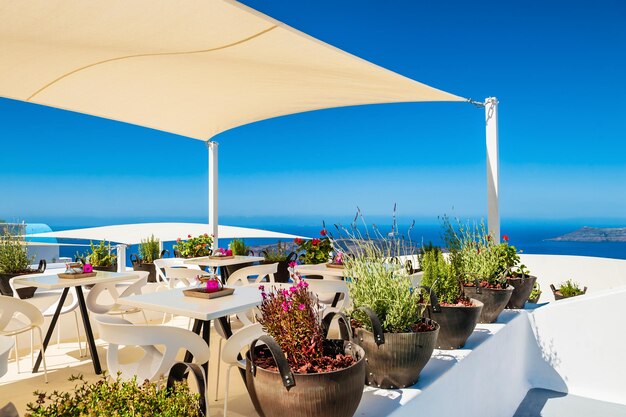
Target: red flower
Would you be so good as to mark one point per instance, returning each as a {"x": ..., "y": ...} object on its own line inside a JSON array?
[
  {"x": 488, "y": 237},
  {"x": 323, "y": 232},
  {"x": 206, "y": 235},
  {"x": 505, "y": 238},
  {"x": 178, "y": 240},
  {"x": 314, "y": 242},
  {"x": 188, "y": 236},
  {"x": 297, "y": 241}
]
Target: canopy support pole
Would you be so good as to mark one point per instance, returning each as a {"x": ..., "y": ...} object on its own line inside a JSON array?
[
  {"x": 493, "y": 204},
  {"x": 121, "y": 257},
  {"x": 213, "y": 219}
]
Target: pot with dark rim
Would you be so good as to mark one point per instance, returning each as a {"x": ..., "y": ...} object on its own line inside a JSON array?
[
  {"x": 24, "y": 292},
  {"x": 395, "y": 360},
  {"x": 328, "y": 394},
  {"x": 522, "y": 287},
  {"x": 456, "y": 323},
  {"x": 494, "y": 300},
  {"x": 282, "y": 273}
]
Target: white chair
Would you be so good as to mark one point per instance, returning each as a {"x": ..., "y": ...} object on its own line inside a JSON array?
[
  {"x": 6, "y": 344},
  {"x": 116, "y": 308},
  {"x": 154, "y": 364},
  {"x": 326, "y": 290},
  {"x": 232, "y": 348},
  {"x": 181, "y": 277},
  {"x": 241, "y": 276},
  {"x": 161, "y": 264},
  {"x": 49, "y": 312},
  {"x": 17, "y": 317}
]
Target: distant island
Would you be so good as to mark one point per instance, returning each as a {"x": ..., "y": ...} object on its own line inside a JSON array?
[{"x": 594, "y": 234}]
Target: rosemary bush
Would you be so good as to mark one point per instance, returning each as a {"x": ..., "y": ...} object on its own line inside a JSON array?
[
  {"x": 13, "y": 252},
  {"x": 570, "y": 288},
  {"x": 116, "y": 398},
  {"x": 149, "y": 249},
  {"x": 440, "y": 277},
  {"x": 276, "y": 253},
  {"x": 238, "y": 246}
]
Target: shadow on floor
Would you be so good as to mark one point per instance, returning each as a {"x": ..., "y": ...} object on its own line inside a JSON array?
[{"x": 541, "y": 402}]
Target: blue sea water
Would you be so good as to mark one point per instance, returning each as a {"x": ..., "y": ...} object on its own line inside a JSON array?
[{"x": 527, "y": 237}]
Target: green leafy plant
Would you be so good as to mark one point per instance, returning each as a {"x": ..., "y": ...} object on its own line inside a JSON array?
[
  {"x": 238, "y": 246},
  {"x": 424, "y": 250},
  {"x": 535, "y": 293},
  {"x": 194, "y": 247},
  {"x": 276, "y": 253},
  {"x": 149, "y": 249},
  {"x": 570, "y": 288},
  {"x": 116, "y": 398},
  {"x": 101, "y": 255},
  {"x": 314, "y": 251},
  {"x": 13, "y": 251},
  {"x": 440, "y": 277}
]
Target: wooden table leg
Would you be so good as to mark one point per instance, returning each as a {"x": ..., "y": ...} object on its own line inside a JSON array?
[
  {"x": 88, "y": 331},
  {"x": 53, "y": 323}
]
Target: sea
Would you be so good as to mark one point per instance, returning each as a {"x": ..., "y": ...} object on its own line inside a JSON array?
[{"x": 531, "y": 237}]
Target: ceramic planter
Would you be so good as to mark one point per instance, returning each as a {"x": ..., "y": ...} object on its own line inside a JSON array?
[
  {"x": 25, "y": 292},
  {"x": 494, "y": 301},
  {"x": 456, "y": 323},
  {"x": 281, "y": 393},
  {"x": 522, "y": 287},
  {"x": 395, "y": 360}
]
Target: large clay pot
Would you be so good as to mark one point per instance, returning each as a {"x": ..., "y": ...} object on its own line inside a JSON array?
[
  {"x": 395, "y": 360},
  {"x": 24, "y": 292},
  {"x": 281, "y": 393},
  {"x": 456, "y": 323},
  {"x": 522, "y": 287},
  {"x": 494, "y": 301}
]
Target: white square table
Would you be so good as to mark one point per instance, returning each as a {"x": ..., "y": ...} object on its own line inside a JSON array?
[
  {"x": 52, "y": 282},
  {"x": 200, "y": 309},
  {"x": 204, "y": 261},
  {"x": 321, "y": 269}
]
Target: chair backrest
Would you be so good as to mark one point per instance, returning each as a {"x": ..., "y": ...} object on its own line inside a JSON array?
[
  {"x": 162, "y": 263},
  {"x": 6, "y": 344},
  {"x": 326, "y": 289},
  {"x": 240, "y": 277},
  {"x": 11, "y": 307},
  {"x": 153, "y": 364},
  {"x": 238, "y": 341},
  {"x": 183, "y": 276},
  {"x": 111, "y": 288}
]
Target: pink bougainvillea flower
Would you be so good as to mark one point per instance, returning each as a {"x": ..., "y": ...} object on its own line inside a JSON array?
[
  {"x": 229, "y": 252},
  {"x": 323, "y": 232},
  {"x": 285, "y": 306},
  {"x": 293, "y": 264},
  {"x": 301, "y": 307},
  {"x": 505, "y": 238},
  {"x": 293, "y": 289},
  {"x": 263, "y": 295},
  {"x": 261, "y": 287}
]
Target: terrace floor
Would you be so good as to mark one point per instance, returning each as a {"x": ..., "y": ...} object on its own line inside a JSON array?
[{"x": 547, "y": 403}]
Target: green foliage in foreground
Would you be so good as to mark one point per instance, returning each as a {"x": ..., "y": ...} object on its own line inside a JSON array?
[
  {"x": 149, "y": 249},
  {"x": 570, "y": 288},
  {"x": 13, "y": 252},
  {"x": 238, "y": 246},
  {"x": 115, "y": 398}
]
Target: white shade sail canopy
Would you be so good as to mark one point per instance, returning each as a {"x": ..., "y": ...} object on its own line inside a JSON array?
[
  {"x": 132, "y": 234},
  {"x": 195, "y": 68}
]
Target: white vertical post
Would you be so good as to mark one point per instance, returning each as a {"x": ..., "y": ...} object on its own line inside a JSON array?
[
  {"x": 213, "y": 218},
  {"x": 493, "y": 205},
  {"x": 121, "y": 257}
]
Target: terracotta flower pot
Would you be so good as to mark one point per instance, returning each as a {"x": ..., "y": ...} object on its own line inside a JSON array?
[
  {"x": 522, "y": 287},
  {"x": 494, "y": 301},
  {"x": 281, "y": 393},
  {"x": 395, "y": 360}
]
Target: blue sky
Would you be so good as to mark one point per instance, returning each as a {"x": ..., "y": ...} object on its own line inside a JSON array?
[{"x": 557, "y": 68}]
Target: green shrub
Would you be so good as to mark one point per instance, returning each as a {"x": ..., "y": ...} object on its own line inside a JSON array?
[
  {"x": 150, "y": 249},
  {"x": 116, "y": 398},
  {"x": 536, "y": 292},
  {"x": 276, "y": 253},
  {"x": 570, "y": 288},
  {"x": 13, "y": 251},
  {"x": 101, "y": 255},
  {"x": 238, "y": 246},
  {"x": 194, "y": 247},
  {"x": 440, "y": 277}
]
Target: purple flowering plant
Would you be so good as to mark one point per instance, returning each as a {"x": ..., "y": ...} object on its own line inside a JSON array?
[{"x": 289, "y": 315}]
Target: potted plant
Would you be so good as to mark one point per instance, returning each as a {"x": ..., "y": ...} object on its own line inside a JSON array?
[
  {"x": 535, "y": 294},
  {"x": 116, "y": 397},
  {"x": 388, "y": 318},
  {"x": 279, "y": 253},
  {"x": 314, "y": 251},
  {"x": 194, "y": 247},
  {"x": 298, "y": 372},
  {"x": 456, "y": 313},
  {"x": 14, "y": 260},
  {"x": 477, "y": 260},
  {"x": 523, "y": 286},
  {"x": 149, "y": 250},
  {"x": 567, "y": 289},
  {"x": 239, "y": 248},
  {"x": 102, "y": 257}
]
